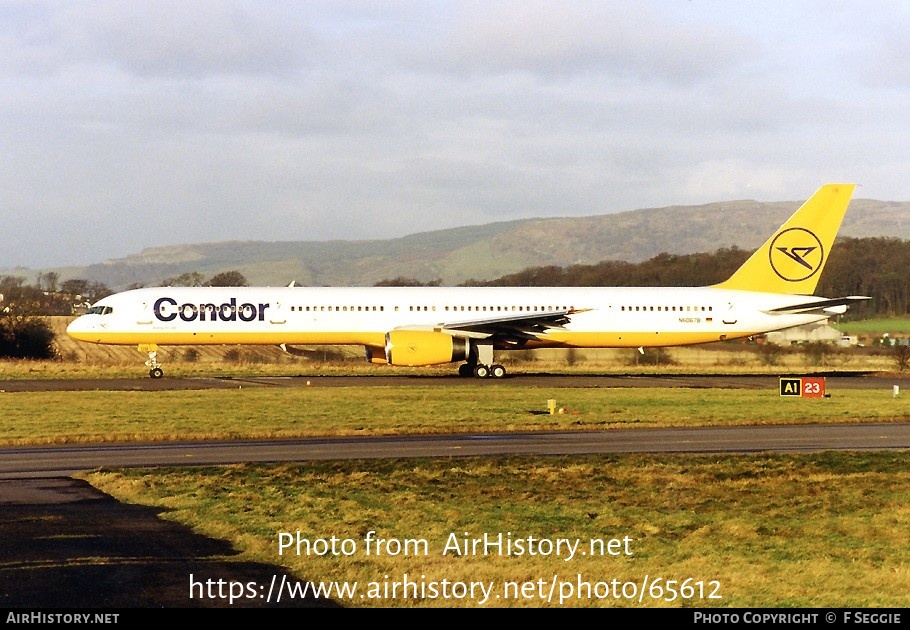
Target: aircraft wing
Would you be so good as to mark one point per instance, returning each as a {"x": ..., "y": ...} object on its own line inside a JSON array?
[
  {"x": 820, "y": 306},
  {"x": 513, "y": 329}
]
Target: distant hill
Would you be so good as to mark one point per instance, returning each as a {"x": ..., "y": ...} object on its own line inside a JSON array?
[{"x": 484, "y": 252}]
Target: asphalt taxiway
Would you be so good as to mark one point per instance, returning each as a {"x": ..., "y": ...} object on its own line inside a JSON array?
[{"x": 27, "y": 461}]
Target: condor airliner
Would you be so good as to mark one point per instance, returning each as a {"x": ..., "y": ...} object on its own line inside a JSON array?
[{"x": 418, "y": 326}]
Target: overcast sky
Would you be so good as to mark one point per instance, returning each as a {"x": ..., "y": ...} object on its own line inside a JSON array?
[{"x": 126, "y": 125}]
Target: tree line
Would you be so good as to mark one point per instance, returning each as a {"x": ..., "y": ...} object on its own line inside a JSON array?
[{"x": 24, "y": 332}]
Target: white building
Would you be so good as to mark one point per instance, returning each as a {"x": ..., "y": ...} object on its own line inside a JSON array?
[{"x": 817, "y": 332}]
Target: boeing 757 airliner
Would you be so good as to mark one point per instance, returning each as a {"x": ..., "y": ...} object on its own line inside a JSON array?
[{"x": 418, "y": 326}]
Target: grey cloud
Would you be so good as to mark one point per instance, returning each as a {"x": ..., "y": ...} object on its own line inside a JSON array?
[
  {"x": 130, "y": 125},
  {"x": 159, "y": 38},
  {"x": 556, "y": 39}
]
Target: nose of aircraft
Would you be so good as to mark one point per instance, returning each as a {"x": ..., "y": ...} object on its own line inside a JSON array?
[{"x": 80, "y": 328}]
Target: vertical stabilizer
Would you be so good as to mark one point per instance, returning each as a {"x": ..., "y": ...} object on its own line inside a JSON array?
[{"x": 791, "y": 261}]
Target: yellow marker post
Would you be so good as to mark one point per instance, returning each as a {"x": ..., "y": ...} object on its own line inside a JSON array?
[{"x": 551, "y": 405}]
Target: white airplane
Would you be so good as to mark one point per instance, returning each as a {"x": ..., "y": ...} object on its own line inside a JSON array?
[{"x": 418, "y": 326}]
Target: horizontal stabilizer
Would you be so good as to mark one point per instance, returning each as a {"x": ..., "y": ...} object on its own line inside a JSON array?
[{"x": 817, "y": 305}]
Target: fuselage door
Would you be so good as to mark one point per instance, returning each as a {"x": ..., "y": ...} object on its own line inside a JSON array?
[
  {"x": 145, "y": 314},
  {"x": 729, "y": 316},
  {"x": 277, "y": 314}
]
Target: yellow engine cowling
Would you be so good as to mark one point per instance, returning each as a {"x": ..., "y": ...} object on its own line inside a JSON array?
[{"x": 422, "y": 347}]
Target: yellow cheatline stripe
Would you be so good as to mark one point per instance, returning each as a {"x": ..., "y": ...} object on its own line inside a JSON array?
[{"x": 377, "y": 339}]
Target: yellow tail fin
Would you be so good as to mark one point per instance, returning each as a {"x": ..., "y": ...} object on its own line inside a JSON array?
[{"x": 792, "y": 260}]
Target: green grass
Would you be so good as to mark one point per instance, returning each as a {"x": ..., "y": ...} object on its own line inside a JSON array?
[
  {"x": 891, "y": 325},
  {"x": 263, "y": 412},
  {"x": 819, "y": 530}
]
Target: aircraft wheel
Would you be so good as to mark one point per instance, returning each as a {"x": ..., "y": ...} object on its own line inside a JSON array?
[
  {"x": 156, "y": 372},
  {"x": 497, "y": 371},
  {"x": 481, "y": 371},
  {"x": 465, "y": 370}
]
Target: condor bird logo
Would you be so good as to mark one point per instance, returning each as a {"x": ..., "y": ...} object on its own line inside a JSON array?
[{"x": 796, "y": 254}]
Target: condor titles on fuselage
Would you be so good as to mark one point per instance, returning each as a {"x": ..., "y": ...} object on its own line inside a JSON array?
[{"x": 415, "y": 326}]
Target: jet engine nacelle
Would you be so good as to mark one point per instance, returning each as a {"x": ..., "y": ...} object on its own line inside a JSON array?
[
  {"x": 421, "y": 347},
  {"x": 376, "y": 354}
]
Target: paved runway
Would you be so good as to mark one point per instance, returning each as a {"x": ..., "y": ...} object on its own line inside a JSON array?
[{"x": 41, "y": 461}]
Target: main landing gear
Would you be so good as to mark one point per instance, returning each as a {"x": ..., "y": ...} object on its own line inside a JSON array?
[
  {"x": 155, "y": 370},
  {"x": 479, "y": 370},
  {"x": 482, "y": 365}
]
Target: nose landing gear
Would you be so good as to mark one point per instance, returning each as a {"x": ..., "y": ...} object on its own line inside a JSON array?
[{"x": 155, "y": 370}]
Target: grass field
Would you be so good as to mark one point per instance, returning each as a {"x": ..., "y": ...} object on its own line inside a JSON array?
[
  {"x": 893, "y": 326},
  {"x": 252, "y": 412},
  {"x": 826, "y": 530},
  {"x": 821, "y": 530}
]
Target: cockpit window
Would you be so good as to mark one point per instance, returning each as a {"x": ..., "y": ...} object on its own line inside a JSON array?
[{"x": 99, "y": 310}]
